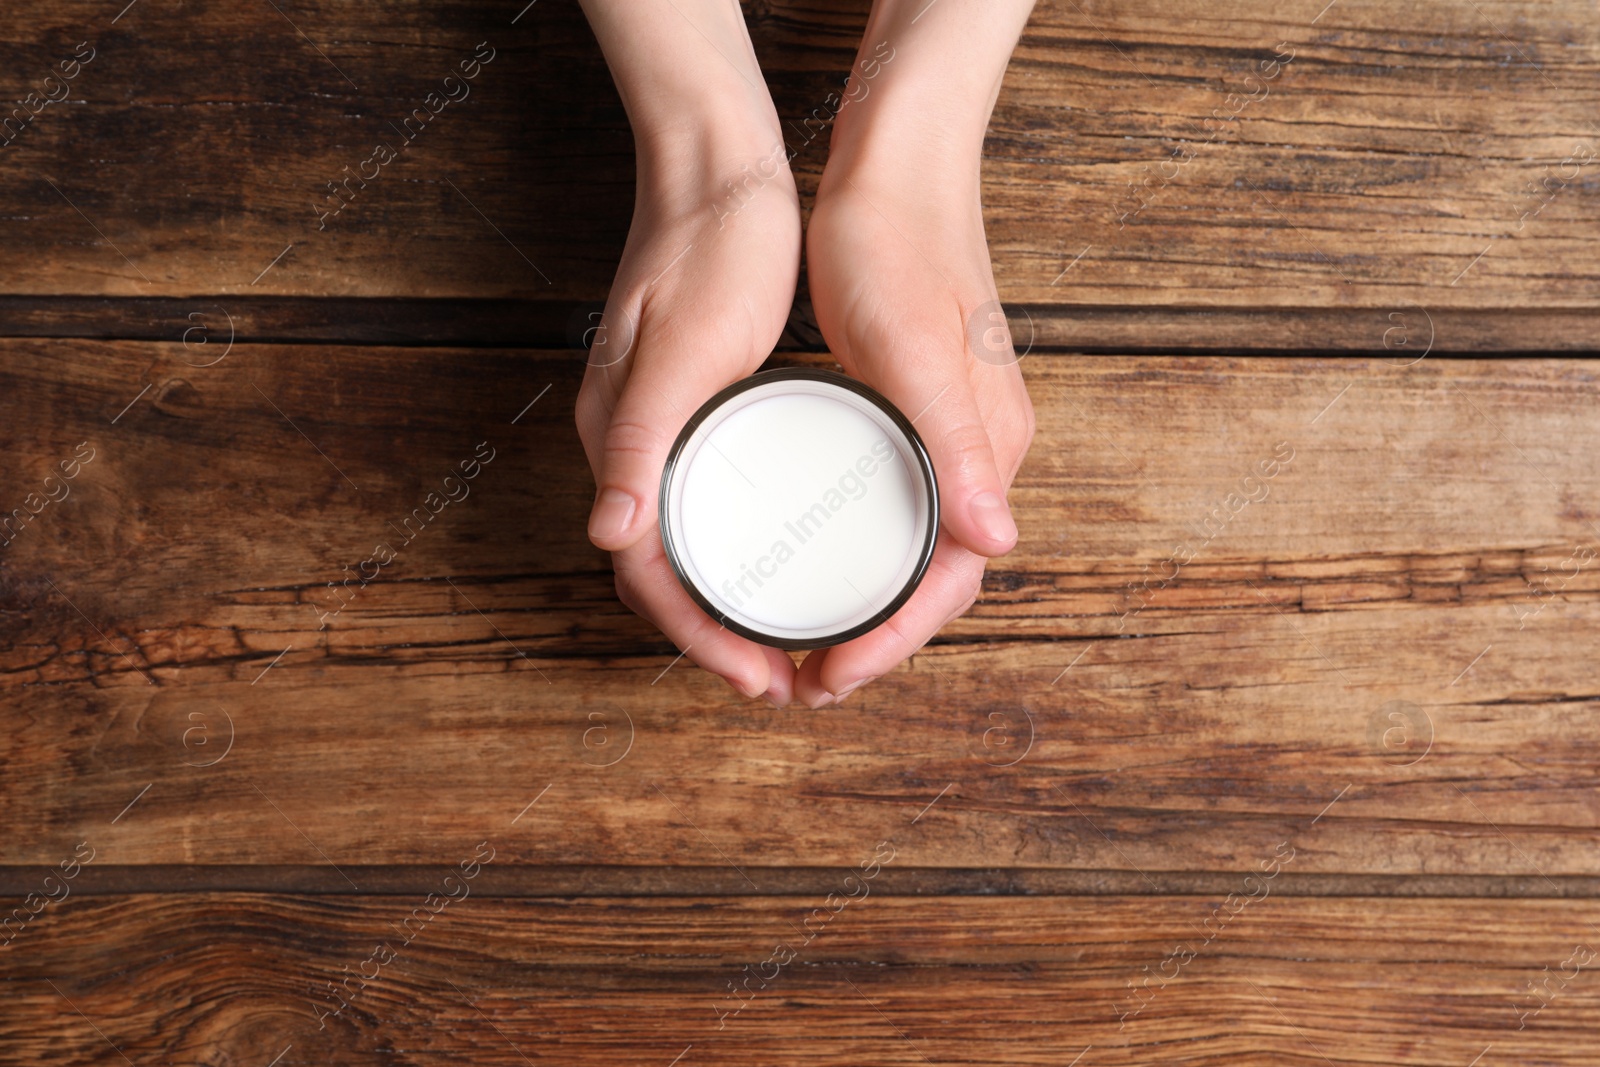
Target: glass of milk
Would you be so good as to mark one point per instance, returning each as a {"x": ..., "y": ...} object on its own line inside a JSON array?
[{"x": 799, "y": 508}]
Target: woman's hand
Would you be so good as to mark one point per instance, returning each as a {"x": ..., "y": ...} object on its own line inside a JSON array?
[
  {"x": 900, "y": 279},
  {"x": 700, "y": 298},
  {"x": 905, "y": 297},
  {"x": 899, "y": 275}
]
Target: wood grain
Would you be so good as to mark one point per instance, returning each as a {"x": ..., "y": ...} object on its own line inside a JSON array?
[
  {"x": 1379, "y": 163},
  {"x": 1385, "y": 166},
  {"x": 238, "y": 978},
  {"x": 1081, "y": 717},
  {"x": 1329, "y": 618}
]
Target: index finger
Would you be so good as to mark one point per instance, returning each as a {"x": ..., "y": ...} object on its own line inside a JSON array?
[{"x": 947, "y": 590}]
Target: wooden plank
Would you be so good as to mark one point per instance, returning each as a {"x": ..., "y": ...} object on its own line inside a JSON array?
[
  {"x": 880, "y": 981},
  {"x": 1353, "y": 179},
  {"x": 1350, "y": 176},
  {"x": 174, "y": 600},
  {"x": 195, "y": 151}
]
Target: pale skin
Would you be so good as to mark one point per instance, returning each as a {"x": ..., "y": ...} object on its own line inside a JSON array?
[{"x": 898, "y": 267}]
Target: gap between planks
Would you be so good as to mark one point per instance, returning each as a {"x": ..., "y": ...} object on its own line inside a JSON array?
[
  {"x": 1404, "y": 332},
  {"x": 628, "y": 881}
]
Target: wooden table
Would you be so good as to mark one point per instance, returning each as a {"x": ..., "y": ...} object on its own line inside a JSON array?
[{"x": 1223, "y": 767}]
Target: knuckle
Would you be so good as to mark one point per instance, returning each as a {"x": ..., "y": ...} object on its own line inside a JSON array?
[
  {"x": 972, "y": 597},
  {"x": 588, "y": 411},
  {"x": 632, "y": 437},
  {"x": 966, "y": 443},
  {"x": 966, "y": 604},
  {"x": 1027, "y": 428},
  {"x": 909, "y": 643},
  {"x": 625, "y": 593}
]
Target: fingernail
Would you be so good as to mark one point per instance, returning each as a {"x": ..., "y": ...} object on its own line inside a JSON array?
[
  {"x": 771, "y": 698},
  {"x": 853, "y": 686},
  {"x": 612, "y": 510},
  {"x": 825, "y": 698},
  {"x": 992, "y": 516},
  {"x": 748, "y": 689}
]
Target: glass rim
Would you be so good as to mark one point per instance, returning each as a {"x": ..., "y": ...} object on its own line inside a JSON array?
[{"x": 922, "y": 462}]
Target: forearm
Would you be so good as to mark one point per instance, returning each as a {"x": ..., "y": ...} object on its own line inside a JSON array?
[
  {"x": 929, "y": 104},
  {"x": 689, "y": 80}
]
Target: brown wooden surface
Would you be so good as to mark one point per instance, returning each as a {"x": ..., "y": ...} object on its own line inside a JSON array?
[
  {"x": 886, "y": 980},
  {"x": 1390, "y": 560},
  {"x": 1382, "y": 668},
  {"x": 1393, "y": 149}
]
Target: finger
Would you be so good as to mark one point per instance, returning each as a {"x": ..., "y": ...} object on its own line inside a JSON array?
[
  {"x": 656, "y": 401},
  {"x": 646, "y": 584},
  {"x": 936, "y": 394},
  {"x": 781, "y": 691},
  {"x": 946, "y": 591},
  {"x": 682, "y": 357}
]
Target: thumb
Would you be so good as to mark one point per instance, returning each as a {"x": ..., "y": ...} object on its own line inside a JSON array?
[
  {"x": 663, "y": 389},
  {"x": 937, "y": 396},
  {"x": 972, "y": 500}
]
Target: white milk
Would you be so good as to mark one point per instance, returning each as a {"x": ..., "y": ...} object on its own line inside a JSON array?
[{"x": 799, "y": 510}]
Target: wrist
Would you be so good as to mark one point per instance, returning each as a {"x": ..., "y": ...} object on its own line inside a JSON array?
[
  {"x": 689, "y": 81},
  {"x": 917, "y": 105},
  {"x": 890, "y": 146},
  {"x": 696, "y": 160}
]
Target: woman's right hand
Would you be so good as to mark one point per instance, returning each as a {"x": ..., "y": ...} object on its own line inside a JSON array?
[{"x": 700, "y": 299}]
